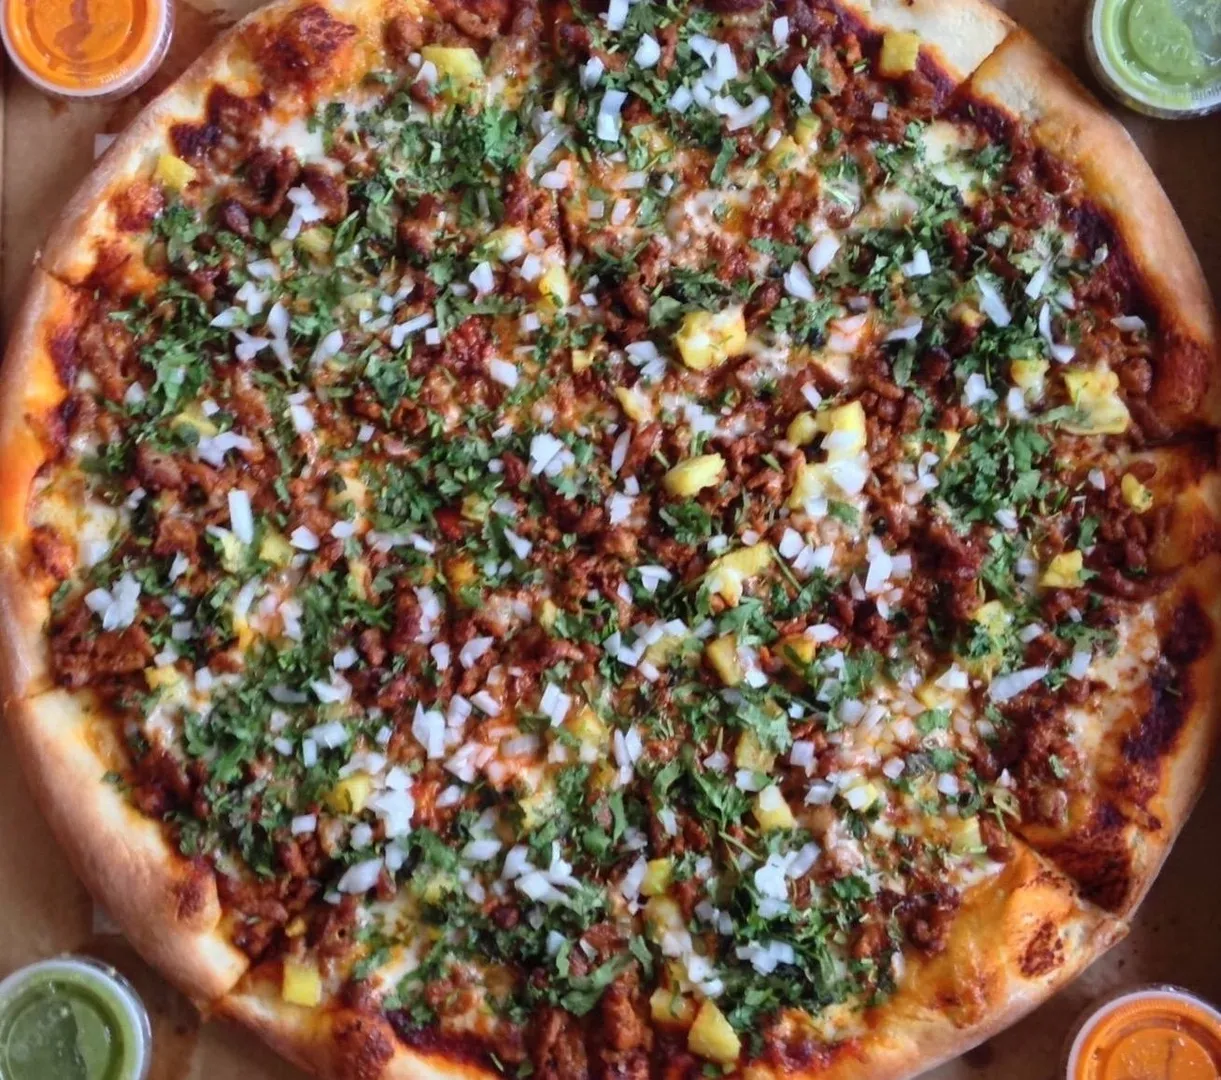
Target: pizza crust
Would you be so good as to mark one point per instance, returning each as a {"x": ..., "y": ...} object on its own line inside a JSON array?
[
  {"x": 959, "y": 33},
  {"x": 1018, "y": 938},
  {"x": 88, "y": 221},
  {"x": 336, "y": 1042},
  {"x": 1026, "y": 82},
  {"x": 166, "y": 906},
  {"x": 30, "y": 388},
  {"x": 1183, "y": 755}
]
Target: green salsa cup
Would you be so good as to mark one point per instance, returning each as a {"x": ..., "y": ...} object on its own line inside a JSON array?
[
  {"x": 1160, "y": 57},
  {"x": 72, "y": 1018}
]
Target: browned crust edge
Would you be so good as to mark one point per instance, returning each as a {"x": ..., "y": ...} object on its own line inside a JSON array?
[
  {"x": 1026, "y": 82},
  {"x": 166, "y": 906}
]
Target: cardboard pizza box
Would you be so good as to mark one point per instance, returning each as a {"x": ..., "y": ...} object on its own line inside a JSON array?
[{"x": 47, "y": 147}]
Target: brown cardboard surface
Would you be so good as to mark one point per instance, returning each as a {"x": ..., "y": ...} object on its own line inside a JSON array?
[{"x": 47, "y": 148}]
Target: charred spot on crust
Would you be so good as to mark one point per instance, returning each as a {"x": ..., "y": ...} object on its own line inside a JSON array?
[
  {"x": 1190, "y": 633},
  {"x": 1043, "y": 953},
  {"x": 193, "y": 892},
  {"x": 362, "y": 1044},
  {"x": 429, "y": 1040},
  {"x": 1157, "y": 730},
  {"x": 1188, "y": 638},
  {"x": 300, "y": 46},
  {"x": 1099, "y": 858}
]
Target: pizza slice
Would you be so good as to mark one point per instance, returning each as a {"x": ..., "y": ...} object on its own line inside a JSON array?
[
  {"x": 1156, "y": 268},
  {"x": 1105, "y": 783}
]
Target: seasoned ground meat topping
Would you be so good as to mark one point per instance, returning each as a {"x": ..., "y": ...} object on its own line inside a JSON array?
[{"x": 600, "y": 535}]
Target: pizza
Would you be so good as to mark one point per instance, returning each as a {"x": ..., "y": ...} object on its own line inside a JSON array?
[{"x": 632, "y": 539}]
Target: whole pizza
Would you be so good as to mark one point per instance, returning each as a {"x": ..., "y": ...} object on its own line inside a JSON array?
[{"x": 616, "y": 540}]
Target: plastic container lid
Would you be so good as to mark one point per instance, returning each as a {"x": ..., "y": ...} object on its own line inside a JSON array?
[
  {"x": 1157, "y": 1031},
  {"x": 87, "y": 49},
  {"x": 72, "y": 1017},
  {"x": 1161, "y": 57}
]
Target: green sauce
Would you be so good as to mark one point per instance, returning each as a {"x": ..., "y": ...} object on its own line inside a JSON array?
[
  {"x": 1162, "y": 56},
  {"x": 68, "y": 1024}
]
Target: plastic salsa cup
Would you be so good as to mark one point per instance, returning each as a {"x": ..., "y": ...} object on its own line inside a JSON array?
[
  {"x": 1161, "y": 57},
  {"x": 72, "y": 1018},
  {"x": 87, "y": 49},
  {"x": 1150, "y": 1033}
]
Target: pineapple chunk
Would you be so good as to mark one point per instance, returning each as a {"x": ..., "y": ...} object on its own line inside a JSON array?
[
  {"x": 192, "y": 416},
  {"x": 316, "y": 240},
  {"x": 273, "y": 548},
  {"x": 295, "y": 928},
  {"x": 461, "y": 66},
  {"x": 587, "y": 728},
  {"x": 657, "y": 876},
  {"x": 967, "y": 839},
  {"x": 1063, "y": 572},
  {"x": 810, "y": 483},
  {"x": 952, "y": 439},
  {"x": 662, "y": 651},
  {"x": 1135, "y": 494},
  {"x": 861, "y": 795},
  {"x": 510, "y": 240},
  {"x": 475, "y": 508},
  {"x": 728, "y": 573},
  {"x": 900, "y": 53},
  {"x": 164, "y": 676},
  {"x": 554, "y": 286},
  {"x": 436, "y": 888},
  {"x": 784, "y": 154},
  {"x": 1027, "y": 375},
  {"x": 932, "y": 696},
  {"x": 582, "y": 360},
  {"x": 712, "y": 1037},
  {"x": 662, "y": 915},
  {"x": 174, "y": 173},
  {"x": 537, "y": 807},
  {"x": 670, "y": 1007},
  {"x": 847, "y": 424},
  {"x": 232, "y": 551},
  {"x": 302, "y": 984},
  {"x": 797, "y": 650},
  {"x": 350, "y": 794},
  {"x": 993, "y": 617},
  {"x": 772, "y": 811},
  {"x": 802, "y": 429},
  {"x": 547, "y": 613},
  {"x": 748, "y": 754},
  {"x": 635, "y": 404},
  {"x": 707, "y": 339},
  {"x": 806, "y": 132},
  {"x": 722, "y": 655},
  {"x": 1095, "y": 395},
  {"x": 690, "y": 477},
  {"x": 354, "y": 492},
  {"x": 460, "y": 572}
]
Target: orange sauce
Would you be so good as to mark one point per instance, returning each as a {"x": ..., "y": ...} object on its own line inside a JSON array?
[
  {"x": 80, "y": 47},
  {"x": 1150, "y": 1037}
]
